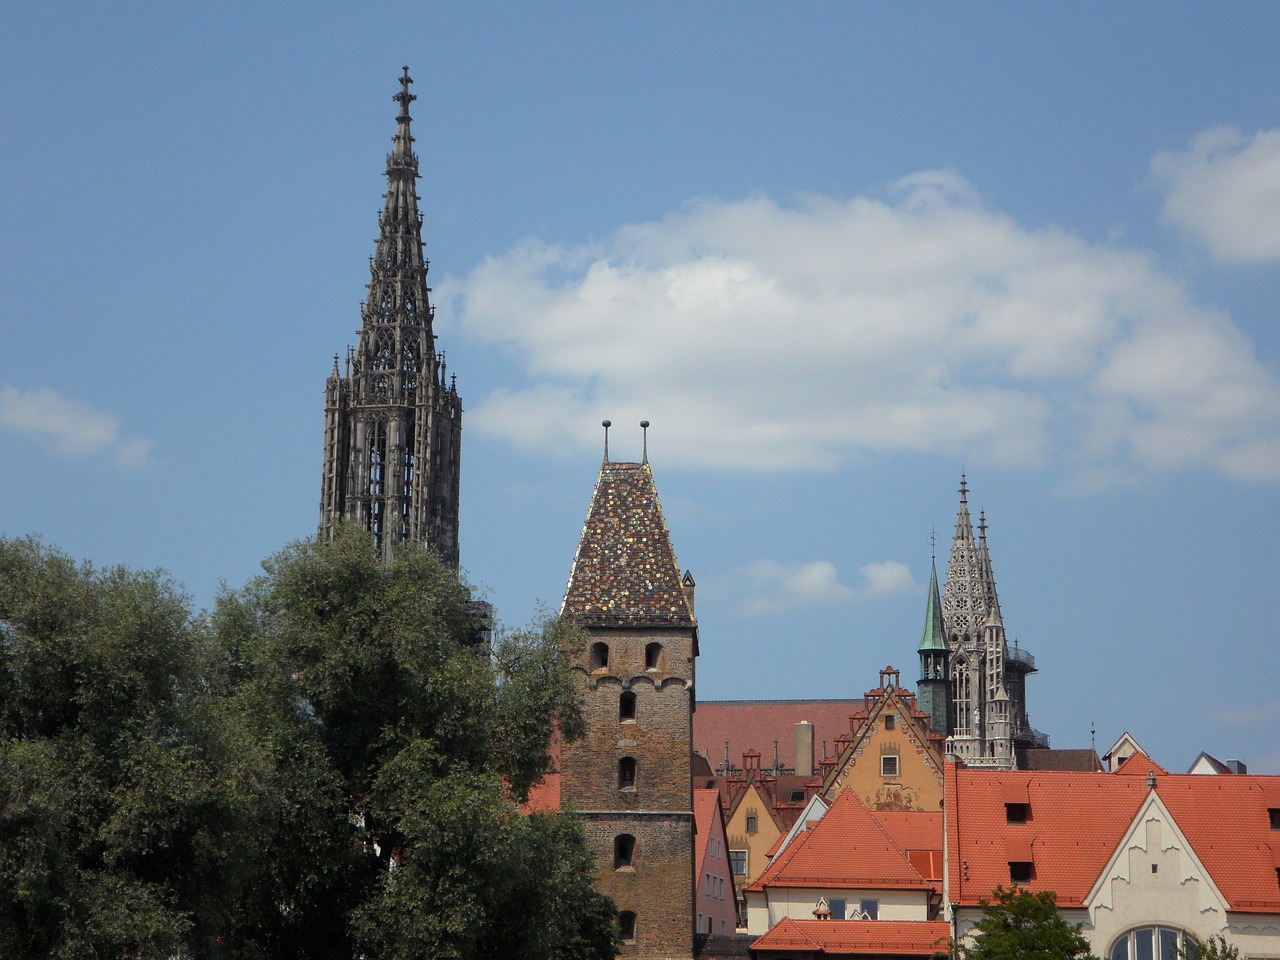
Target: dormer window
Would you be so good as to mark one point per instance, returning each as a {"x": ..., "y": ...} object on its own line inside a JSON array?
[
  {"x": 599, "y": 656},
  {"x": 651, "y": 653},
  {"x": 1017, "y": 812},
  {"x": 1274, "y": 814},
  {"x": 1020, "y": 871}
]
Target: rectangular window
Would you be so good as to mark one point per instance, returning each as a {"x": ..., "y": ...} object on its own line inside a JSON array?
[
  {"x": 837, "y": 907},
  {"x": 870, "y": 909},
  {"x": 1017, "y": 812},
  {"x": 738, "y": 862},
  {"x": 889, "y": 765},
  {"x": 1020, "y": 871},
  {"x": 888, "y": 722},
  {"x": 1274, "y": 814}
]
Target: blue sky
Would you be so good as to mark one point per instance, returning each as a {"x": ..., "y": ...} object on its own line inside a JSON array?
[{"x": 836, "y": 253}]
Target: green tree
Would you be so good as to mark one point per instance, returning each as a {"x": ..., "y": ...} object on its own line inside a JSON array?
[
  {"x": 1017, "y": 924},
  {"x": 1216, "y": 947},
  {"x": 321, "y": 768},
  {"x": 432, "y": 743}
]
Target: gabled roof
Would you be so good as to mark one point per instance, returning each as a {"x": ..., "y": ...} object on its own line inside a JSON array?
[
  {"x": 1076, "y": 821},
  {"x": 625, "y": 572},
  {"x": 847, "y": 847},
  {"x": 1138, "y": 765},
  {"x": 899, "y": 938},
  {"x": 706, "y": 808}
]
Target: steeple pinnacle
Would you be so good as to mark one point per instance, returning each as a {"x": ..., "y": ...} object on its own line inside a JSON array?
[{"x": 934, "y": 638}]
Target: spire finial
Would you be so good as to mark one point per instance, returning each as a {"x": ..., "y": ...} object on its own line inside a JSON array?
[
  {"x": 964, "y": 490},
  {"x": 606, "y": 424},
  {"x": 644, "y": 425},
  {"x": 404, "y": 96},
  {"x": 933, "y": 545},
  {"x": 982, "y": 524}
]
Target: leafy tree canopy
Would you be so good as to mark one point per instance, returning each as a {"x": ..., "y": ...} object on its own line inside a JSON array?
[
  {"x": 322, "y": 767},
  {"x": 1017, "y": 924}
]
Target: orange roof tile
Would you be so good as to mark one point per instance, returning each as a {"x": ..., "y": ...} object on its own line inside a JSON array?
[
  {"x": 544, "y": 797},
  {"x": 706, "y": 807},
  {"x": 846, "y": 847},
  {"x": 1077, "y": 820},
  {"x": 899, "y": 938},
  {"x": 1139, "y": 765}
]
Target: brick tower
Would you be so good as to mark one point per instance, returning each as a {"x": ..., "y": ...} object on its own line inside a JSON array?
[
  {"x": 393, "y": 420},
  {"x": 629, "y": 778}
]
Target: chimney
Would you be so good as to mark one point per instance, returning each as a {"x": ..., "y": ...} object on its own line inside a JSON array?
[
  {"x": 804, "y": 749},
  {"x": 1237, "y": 766}
]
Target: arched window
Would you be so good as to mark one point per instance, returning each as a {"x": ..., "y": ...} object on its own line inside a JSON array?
[
  {"x": 627, "y": 706},
  {"x": 599, "y": 655},
  {"x": 651, "y": 653},
  {"x": 1152, "y": 943},
  {"x": 627, "y": 773},
  {"x": 624, "y": 850},
  {"x": 627, "y": 926}
]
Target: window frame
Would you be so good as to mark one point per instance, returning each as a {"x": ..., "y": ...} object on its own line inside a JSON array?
[{"x": 885, "y": 760}]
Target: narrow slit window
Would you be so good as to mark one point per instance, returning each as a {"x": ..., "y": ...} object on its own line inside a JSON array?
[{"x": 627, "y": 773}]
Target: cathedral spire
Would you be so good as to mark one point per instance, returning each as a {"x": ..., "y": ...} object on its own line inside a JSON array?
[{"x": 393, "y": 424}]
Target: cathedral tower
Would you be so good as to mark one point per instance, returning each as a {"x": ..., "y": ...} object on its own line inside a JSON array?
[
  {"x": 988, "y": 720},
  {"x": 933, "y": 690},
  {"x": 629, "y": 778},
  {"x": 392, "y": 420}
]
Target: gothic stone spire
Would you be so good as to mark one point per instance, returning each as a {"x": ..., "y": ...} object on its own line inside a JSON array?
[{"x": 393, "y": 423}]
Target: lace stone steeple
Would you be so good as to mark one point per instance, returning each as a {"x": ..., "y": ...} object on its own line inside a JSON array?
[
  {"x": 393, "y": 421},
  {"x": 988, "y": 680}
]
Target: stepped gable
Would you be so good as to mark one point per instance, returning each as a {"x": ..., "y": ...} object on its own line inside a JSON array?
[
  {"x": 625, "y": 572},
  {"x": 882, "y": 938},
  {"x": 848, "y": 846}
]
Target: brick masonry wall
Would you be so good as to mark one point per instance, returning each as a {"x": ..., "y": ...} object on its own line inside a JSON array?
[
  {"x": 658, "y": 809},
  {"x": 657, "y": 888}
]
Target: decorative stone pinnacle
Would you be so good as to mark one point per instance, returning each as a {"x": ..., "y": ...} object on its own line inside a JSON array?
[{"x": 404, "y": 97}]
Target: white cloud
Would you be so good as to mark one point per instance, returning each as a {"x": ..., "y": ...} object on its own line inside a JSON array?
[
  {"x": 75, "y": 429},
  {"x": 885, "y": 578},
  {"x": 773, "y": 587},
  {"x": 757, "y": 335},
  {"x": 1225, "y": 189}
]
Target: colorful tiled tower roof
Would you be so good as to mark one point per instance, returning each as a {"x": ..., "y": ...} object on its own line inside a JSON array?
[{"x": 625, "y": 573}]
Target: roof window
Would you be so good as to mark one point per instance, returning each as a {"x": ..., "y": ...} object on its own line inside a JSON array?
[
  {"x": 1274, "y": 814},
  {"x": 1021, "y": 871},
  {"x": 1017, "y": 812}
]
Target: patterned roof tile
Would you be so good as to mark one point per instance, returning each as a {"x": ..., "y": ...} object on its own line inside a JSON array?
[
  {"x": 901, "y": 938},
  {"x": 625, "y": 572}
]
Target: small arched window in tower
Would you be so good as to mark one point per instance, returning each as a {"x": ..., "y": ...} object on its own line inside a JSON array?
[
  {"x": 627, "y": 773},
  {"x": 624, "y": 851},
  {"x": 627, "y": 707},
  {"x": 627, "y": 926},
  {"x": 651, "y": 653},
  {"x": 599, "y": 656}
]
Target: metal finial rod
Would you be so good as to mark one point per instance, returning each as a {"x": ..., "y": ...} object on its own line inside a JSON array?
[
  {"x": 644, "y": 425},
  {"x": 933, "y": 543},
  {"x": 606, "y": 424}
]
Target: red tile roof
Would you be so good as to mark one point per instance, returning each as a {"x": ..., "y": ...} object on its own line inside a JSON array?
[
  {"x": 755, "y": 724},
  {"x": 899, "y": 938},
  {"x": 625, "y": 571},
  {"x": 912, "y": 829},
  {"x": 545, "y": 795},
  {"x": 847, "y": 847},
  {"x": 1077, "y": 820},
  {"x": 706, "y": 807},
  {"x": 1139, "y": 765}
]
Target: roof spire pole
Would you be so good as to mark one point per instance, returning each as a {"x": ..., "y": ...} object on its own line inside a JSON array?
[
  {"x": 606, "y": 424},
  {"x": 644, "y": 426}
]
